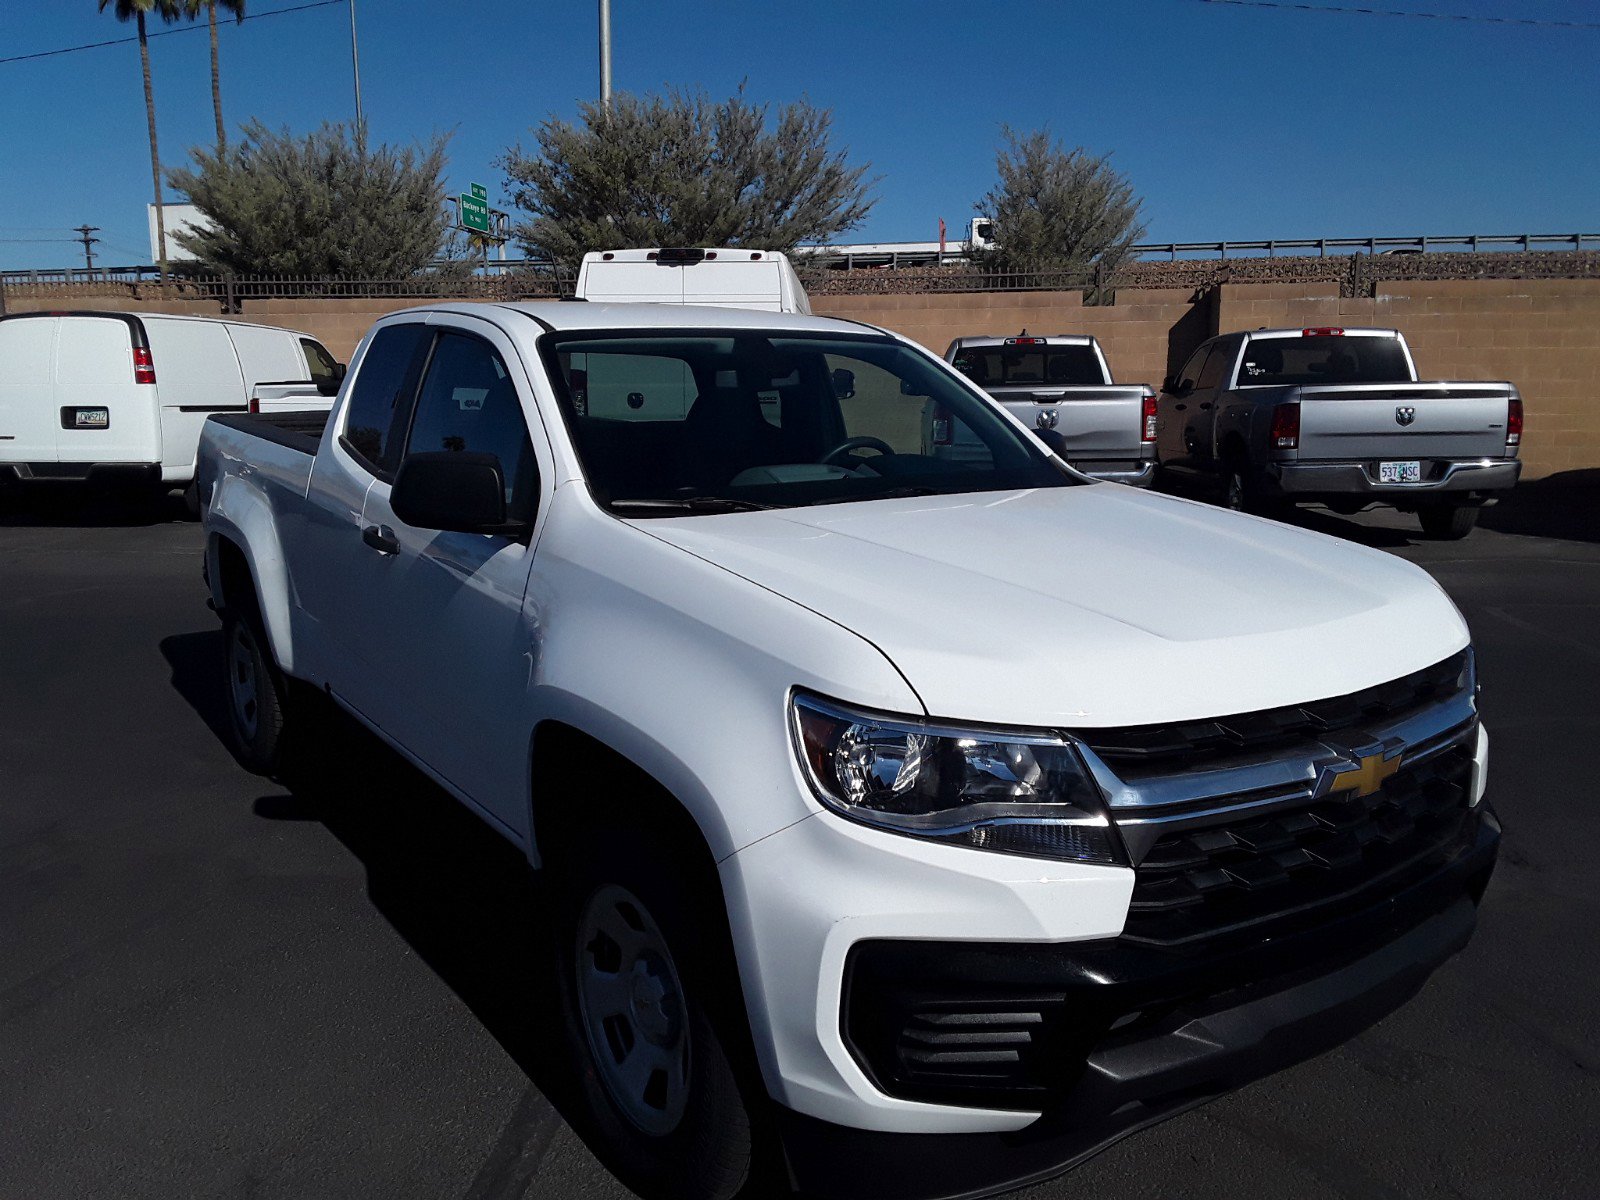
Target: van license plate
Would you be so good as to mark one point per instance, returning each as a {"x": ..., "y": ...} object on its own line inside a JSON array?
[
  {"x": 91, "y": 418},
  {"x": 1400, "y": 472}
]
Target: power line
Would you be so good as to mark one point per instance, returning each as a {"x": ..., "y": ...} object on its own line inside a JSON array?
[
  {"x": 191, "y": 28},
  {"x": 1347, "y": 10}
]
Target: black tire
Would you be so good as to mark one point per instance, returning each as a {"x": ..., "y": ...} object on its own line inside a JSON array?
[
  {"x": 191, "y": 500},
  {"x": 1241, "y": 491},
  {"x": 257, "y": 692},
  {"x": 699, "y": 1141},
  {"x": 1448, "y": 522}
]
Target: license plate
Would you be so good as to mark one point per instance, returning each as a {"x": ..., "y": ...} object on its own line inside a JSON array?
[
  {"x": 91, "y": 418},
  {"x": 1400, "y": 472}
]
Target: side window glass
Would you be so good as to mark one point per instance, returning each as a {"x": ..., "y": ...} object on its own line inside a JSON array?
[
  {"x": 318, "y": 361},
  {"x": 1211, "y": 375},
  {"x": 1190, "y": 375},
  {"x": 380, "y": 396},
  {"x": 469, "y": 402}
]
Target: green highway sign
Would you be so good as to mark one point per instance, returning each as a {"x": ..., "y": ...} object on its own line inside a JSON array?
[
  {"x": 475, "y": 212},
  {"x": 480, "y": 192}
]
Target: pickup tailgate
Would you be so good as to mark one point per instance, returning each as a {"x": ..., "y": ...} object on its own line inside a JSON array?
[
  {"x": 1404, "y": 421},
  {"x": 1095, "y": 422}
]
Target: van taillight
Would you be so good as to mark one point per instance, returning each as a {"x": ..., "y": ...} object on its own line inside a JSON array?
[
  {"x": 144, "y": 370},
  {"x": 1514, "y": 423},
  {"x": 1147, "y": 427},
  {"x": 943, "y": 427},
  {"x": 1286, "y": 426}
]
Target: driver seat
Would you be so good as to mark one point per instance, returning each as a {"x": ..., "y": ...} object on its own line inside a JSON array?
[{"x": 724, "y": 434}]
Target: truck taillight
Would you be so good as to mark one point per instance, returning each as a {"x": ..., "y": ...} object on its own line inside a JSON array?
[
  {"x": 1324, "y": 331},
  {"x": 144, "y": 369},
  {"x": 1147, "y": 427},
  {"x": 1514, "y": 423},
  {"x": 1286, "y": 426},
  {"x": 943, "y": 427}
]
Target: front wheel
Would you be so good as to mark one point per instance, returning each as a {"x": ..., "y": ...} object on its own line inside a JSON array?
[
  {"x": 1241, "y": 491},
  {"x": 1448, "y": 522},
  {"x": 651, "y": 1006},
  {"x": 257, "y": 693}
]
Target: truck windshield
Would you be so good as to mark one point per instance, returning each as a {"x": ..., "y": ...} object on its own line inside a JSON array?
[
  {"x": 1019, "y": 366},
  {"x": 667, "y": 422},
  {"x": 1304, "y": 361}
]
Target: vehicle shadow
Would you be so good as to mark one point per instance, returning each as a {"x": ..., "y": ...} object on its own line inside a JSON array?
[
  {"x": 1565, "y": 506},
  {"x": 71, "y": 505},
  {"x": 461, "y": 896}
]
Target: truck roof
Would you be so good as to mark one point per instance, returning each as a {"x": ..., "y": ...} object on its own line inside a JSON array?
[
  {"x": 1345, "y": 330},
  {"x": 567, "y": 315},
  {"x": 1054, "y": 339}
]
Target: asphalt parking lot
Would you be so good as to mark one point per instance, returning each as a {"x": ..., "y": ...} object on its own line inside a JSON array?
[{"x": 214, "y": 986}]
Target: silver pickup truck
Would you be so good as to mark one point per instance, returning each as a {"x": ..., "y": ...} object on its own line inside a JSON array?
[
  {"x": 1338, "y": 417},
  {"x": 1061, "y": 388}
]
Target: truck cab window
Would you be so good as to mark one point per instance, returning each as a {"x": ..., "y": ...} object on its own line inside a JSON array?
[
  {"x": 381, "y": 395},
  {"x": 319, "y": 362},
  {"x": 1211, "y": 375},
  {"x": 1190, "y": 375},
  {"x": 469, "y": 402}
]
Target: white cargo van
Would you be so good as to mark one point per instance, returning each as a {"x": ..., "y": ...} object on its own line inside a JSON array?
[
  {"x": 121, "y": 397},
  {"x": 728, "y": 278}
]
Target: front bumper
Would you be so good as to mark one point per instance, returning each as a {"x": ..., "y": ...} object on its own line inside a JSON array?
[
  {"x": 1308, "y": 480},
  {"x": 1186, "y": 1029}
]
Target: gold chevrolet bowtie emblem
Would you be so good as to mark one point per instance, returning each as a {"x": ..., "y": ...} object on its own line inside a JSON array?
[{"x": 1364, "y": 777}]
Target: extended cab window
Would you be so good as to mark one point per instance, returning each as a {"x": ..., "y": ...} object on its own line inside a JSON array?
[
  {"x": 1214, "y": 373},
  {"x": 1325, "y": 358},
  {"x": 381, "y": 395},
  {"x": 469, "y": 402}
]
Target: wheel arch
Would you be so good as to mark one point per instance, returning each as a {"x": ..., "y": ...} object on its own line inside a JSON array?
[{"x": 238, "y": 575}]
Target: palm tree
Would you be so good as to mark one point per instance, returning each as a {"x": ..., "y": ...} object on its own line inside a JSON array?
[
  {"x": 167, "y": 11},
  {"x": 191, "y": 9}
]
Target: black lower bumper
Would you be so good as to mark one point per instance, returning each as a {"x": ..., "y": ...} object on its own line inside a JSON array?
[
  {"x": 99, "y": 474},
  {"x": 1197, "y": 1027}
]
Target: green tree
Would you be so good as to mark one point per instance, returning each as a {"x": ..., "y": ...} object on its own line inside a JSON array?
[
  {"x": 1056, "y": 209},
  {"x": 235, "y": 8},
  {"x": 135, "y": 10},
  {"x": 327, "y": 204},
  {"x": 682, "y": 170}
]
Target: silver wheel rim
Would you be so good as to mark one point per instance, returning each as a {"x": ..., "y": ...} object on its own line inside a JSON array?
[
  {"x": 242, "y": 682},
  {"x": 631, "y": 1004}
]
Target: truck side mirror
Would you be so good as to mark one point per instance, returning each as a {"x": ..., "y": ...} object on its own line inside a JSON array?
[
  {"x": 462, "y": 491},
  {"x": 1169, "y": 385}
]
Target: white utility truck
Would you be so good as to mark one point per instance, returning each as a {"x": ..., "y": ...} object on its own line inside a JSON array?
[
  {"x": 855, "y": 889},
  {"x": 114, "y": 397},
  {"x": 726, "y": 277}
]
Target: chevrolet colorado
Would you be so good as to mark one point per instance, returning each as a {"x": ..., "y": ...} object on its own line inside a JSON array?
[{"x": 854, "y": 888}]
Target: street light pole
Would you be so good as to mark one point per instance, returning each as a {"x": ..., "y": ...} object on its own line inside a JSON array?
[
  {"x": 355, "y": 60},
  {"x": 605, "y": 55}
]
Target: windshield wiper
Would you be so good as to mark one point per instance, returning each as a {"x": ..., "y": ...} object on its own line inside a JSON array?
[{"x": 689, "y": 504}]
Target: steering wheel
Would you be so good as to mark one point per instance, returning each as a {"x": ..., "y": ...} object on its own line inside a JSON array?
[{"x": 843, "y": 449}]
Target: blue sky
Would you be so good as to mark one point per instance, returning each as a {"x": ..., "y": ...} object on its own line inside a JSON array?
[{"x": 1232, "y": 122}]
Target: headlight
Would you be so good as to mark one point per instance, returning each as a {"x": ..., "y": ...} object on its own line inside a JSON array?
[{"x": 1004, "y": 790}]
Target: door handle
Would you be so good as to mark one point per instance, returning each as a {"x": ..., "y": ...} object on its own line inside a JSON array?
[
  {"x": 1181, "y": 407},
  {"x": 1204, "y": 407},
  {"x": 381, "y": 538}
]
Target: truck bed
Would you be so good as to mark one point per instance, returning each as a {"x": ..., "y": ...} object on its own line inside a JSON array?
[{"x": 295, "y": 430}]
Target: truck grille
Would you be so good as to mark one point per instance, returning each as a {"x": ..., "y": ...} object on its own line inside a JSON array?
[{"x": 1211, "y": 879}]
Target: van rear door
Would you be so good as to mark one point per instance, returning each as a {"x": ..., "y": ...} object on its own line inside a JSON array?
[
  {"x": 102, "y": 413},
  {"x": 28, "y": 417}
]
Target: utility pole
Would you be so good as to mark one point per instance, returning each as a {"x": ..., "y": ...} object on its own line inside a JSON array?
[
  {"x": 605, "y": 55},
  {"x": 83, "y": 232},
  {"x": 355, "y": 60}
]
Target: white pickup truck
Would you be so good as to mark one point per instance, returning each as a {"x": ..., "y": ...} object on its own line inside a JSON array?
[{"x": 856, "y": 890}]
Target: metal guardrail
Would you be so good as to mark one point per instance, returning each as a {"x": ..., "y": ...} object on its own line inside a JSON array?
[{"x": 1427, "y": 244}]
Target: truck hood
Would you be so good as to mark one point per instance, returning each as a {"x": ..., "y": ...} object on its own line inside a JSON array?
[{"x": 1090, "y": 605}]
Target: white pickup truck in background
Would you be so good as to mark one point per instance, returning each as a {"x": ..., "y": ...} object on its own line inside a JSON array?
[
  {"x": 852, "y": 887},
  {"x": 1338, "y": 417},
  {"x": 1061, "y": 387}
]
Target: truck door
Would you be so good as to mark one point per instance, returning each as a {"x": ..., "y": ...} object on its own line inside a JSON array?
[
  {"x": 1173, "y": 410},
  {"x": 450, "y": 605},
  {"x": 1199, "y": 429}
]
